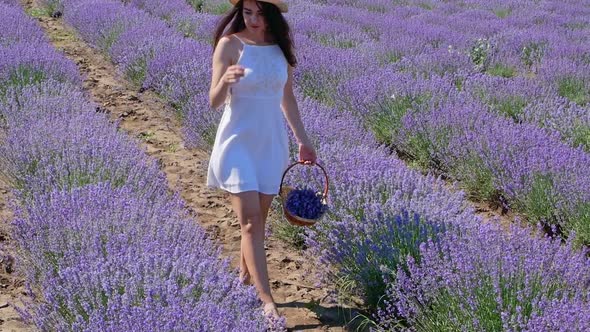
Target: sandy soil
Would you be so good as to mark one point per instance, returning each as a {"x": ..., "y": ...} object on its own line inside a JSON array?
[
  {"x": 145, "y": 115},
  {"x": 12, "y": 288}
]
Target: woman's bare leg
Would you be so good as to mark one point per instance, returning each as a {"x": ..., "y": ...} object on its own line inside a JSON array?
[
  {"x": 247, "y": 207},
  {"x": 265, "y": 203},
  {"x": 244, "y": 273}
]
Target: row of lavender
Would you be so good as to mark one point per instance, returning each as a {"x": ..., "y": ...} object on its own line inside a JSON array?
[
  {"x": 103, "y": 244},
  {"x": 383, "y": 212}
]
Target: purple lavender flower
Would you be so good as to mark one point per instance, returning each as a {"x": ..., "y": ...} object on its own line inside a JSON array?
[{"x": 306, "y": 203}]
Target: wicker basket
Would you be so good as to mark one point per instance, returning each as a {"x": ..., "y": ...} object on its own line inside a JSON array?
[{"x": 284, "y": 191}]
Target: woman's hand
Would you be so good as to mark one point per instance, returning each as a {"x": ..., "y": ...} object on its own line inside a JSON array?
[
  {"x": 307, "y": 153},
  {"x": 233, "y": 74}
]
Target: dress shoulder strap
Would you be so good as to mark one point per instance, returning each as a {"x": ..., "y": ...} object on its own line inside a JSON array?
[{"x": 238, "y": 38}]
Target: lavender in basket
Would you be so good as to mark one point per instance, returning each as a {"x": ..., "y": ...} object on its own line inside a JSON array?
[{"x": 306, "y": 203}]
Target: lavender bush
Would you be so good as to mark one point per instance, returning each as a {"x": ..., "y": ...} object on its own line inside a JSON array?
[
  {"x": 175, "y": 12},
  {"x": 180, "y": 14},
  {"x": 16, "y": 26},
  {"x": 133, "y": 49},
  {"x": 528, "y": 170},
  {"x": 529, "y": 101},
  {"x": 65, "y": 151},
  {"x": 24, "y": 63},
  {"x": 379, "y": 245},
  {"x": 543, "y": 81},
  {"x": 102, "y": 22},
  {"x": 100, "y": 258},
  {"x": 48, "y": 97},
  {"x": 215, "y": 7},
  {"x": 487, "y": 279},
  {"x": 435, "y": 79}
]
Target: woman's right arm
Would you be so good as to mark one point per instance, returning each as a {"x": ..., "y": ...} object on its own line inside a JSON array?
[{"x": 224, "y": 74}]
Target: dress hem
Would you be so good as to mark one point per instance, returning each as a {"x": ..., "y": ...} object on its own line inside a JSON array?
[{"x": 236, "y": 189}]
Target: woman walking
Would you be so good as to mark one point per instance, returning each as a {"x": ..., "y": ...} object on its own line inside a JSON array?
[{"x": 253, "y": 65}]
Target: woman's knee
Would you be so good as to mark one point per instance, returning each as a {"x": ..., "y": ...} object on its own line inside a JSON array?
[
  {"x": 247, "y": 208},
  {"x": 251, "y": 221}
]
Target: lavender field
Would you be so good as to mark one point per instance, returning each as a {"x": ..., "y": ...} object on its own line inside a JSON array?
[{"x": 417, "y": 108}]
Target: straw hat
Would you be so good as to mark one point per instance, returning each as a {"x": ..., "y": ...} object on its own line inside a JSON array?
[{"x": 279, "y": 3}]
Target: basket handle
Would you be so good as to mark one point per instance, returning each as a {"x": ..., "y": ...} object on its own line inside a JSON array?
[{"x": 325, "y": 195}]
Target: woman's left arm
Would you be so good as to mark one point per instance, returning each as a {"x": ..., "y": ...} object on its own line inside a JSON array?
[{"x": 291, "y": 111}]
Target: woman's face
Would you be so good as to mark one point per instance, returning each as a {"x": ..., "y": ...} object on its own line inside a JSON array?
[{"x": 253, "y": 17}]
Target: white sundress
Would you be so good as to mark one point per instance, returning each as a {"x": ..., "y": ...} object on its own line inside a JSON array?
[{"x": 251, "y": 149}]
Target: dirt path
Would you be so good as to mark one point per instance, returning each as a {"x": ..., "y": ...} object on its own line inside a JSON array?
[
  {"x": 11, "y": 283},
  {"x": 145, "y": 115}
]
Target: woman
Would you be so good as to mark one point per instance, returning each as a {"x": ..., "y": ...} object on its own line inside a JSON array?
[{"x": 253, "y": 74}]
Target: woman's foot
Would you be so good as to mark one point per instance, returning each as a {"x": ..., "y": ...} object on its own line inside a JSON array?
[{"x": 270, "y": 310}]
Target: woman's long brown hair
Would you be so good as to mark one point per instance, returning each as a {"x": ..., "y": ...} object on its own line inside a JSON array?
[{"x": 277, "y": 25}]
